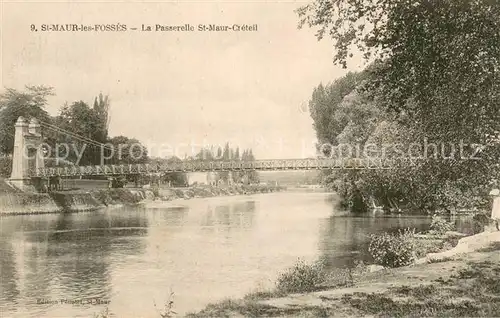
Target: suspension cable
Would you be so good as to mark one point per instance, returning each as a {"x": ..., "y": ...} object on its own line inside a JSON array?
[
  {"x": 47, "y": 125},
  {"x": 76, "y": 136},
  {"x": 80, "y": 139}
]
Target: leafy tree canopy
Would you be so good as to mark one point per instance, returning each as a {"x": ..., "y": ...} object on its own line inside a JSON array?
[
  {"x": 128, "y": 151},
  {"x": 434, "y": 75},
  {"x": 30, "y": 102},
  {"x": 436, "y": 61}
]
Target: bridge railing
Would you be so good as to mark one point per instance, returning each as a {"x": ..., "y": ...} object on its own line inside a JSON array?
[{"x": 193, "y": 166}]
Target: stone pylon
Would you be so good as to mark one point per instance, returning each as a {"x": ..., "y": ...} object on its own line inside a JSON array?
[
  {"x": 211, "y": 178},
  {"x": 26, "y": 157},
  {"x": 495, "y": 211},
  {"x": 35, "y": 140}
]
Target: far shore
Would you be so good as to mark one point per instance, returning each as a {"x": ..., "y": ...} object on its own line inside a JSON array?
[{"x": 238, "y": 196}]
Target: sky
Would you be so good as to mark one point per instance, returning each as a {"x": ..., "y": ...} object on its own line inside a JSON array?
[{"x": 177, "y": 91}]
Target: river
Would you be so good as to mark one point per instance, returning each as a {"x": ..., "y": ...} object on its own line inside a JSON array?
[{"x": 202, "y": 250}]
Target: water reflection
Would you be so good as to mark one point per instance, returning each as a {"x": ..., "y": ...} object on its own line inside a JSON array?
[
  {"x": 69, "y": 256},
  {"x": 175, "y": 216},
  {"x": 206, "y": 250},
  {"x": 237, "y": 215},
  {"x": 344, "y": 240},
  {"x": 9, "y": 290}
]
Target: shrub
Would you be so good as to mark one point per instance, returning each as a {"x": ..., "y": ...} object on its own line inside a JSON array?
[
  {"x": 103, "y": 314},
  {"x": 5, "y": 166},
  {"x": 440, "y": 226},
  {"x": 167, "y": 310},
  {"x": 302, "y": 277},
  {"x": 394, "y": 250},
  {"x": 156, "y": 192},
  {"x": 481, "y": 221},
  {"x": 347, "y": 276}
]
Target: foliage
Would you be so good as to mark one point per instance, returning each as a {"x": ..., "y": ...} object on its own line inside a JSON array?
[
  {"x": 103, "y": 314},
  {"x": 248, "y": 176},
  {"x": 428, "y": 184},
  {"x": 361, "y": 116},
  {"x": 101, "y": 110},
  {"x": 78, "y": 119},
  {"x": 425, "y": 42},
  {"x": 481, "y": 221},
  {"x": 5, "y": 166},
  {"x": 176, "y": 179},
  {"x": 302, "y": 277},
  {"x": 29, "y": 103},
  {"x": 325, "y": 102},
  {"x": 440, "y": 226},
  {"x": 471, "y": 293},
  {"x": 346, "y": 276},
  {"x": 434, "y": 78},
  {"x": 468, "y": 294},
  {"x": 168, "y": 308},
  {"x": 80, "y": 123},
  {"x": 226, "y": 154},
  {"x": 394, "y": 250},
  {"x": 127, "y": 151}
]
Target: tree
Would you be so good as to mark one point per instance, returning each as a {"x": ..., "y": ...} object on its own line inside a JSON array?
[
  {"x": 252, "y": 176},
  {"x": 29, "y": 103},
  {"x": 436, "y": 60},
  {"x": 5, "y": 166},
  {"x": 324, "y": 103},
  {"x": 360, "y": 116},
  {"x": 82, "y": 123},
  {"x": 226, "y": 154},
  {"x": 128, "y": 151},
  {"x": 205, "y": 154},
  {"x": 435, "y": 71},
  {"x": 101, "y": 109},
  {"x": 176, "y": 179}
]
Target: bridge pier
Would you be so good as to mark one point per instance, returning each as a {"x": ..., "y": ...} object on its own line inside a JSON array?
[
  {"x": 230, "y": 180},
  {"x": 26, "y": 156},
  {"x": 211, "y": 178}
]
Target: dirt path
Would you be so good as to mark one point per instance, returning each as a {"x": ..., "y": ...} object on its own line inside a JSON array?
[
  {"x": 479, "y": 249},
  {"x": 463, "y": 282}
]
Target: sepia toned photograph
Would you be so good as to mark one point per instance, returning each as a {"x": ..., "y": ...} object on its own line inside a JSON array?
[{"x": 249, "y": 158}]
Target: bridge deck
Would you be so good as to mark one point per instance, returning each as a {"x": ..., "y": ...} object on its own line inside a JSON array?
[{"x": 197, "y": 166}]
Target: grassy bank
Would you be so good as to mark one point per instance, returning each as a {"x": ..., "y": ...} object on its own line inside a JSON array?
[{"x": 466, "y": 284}]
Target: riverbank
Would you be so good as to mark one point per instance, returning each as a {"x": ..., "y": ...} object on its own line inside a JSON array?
[
  {"x": 463, "y": 282},
  {"x": 17, "y": 202},
  {"x": 206, "y": 191},
  {"x": 308, "y": 189},
  {"x": 13, "y": 201}
]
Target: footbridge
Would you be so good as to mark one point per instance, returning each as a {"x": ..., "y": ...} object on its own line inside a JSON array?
[
  {"x": 214, "y": 166},
  {"x": 28, "y": 161}
]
